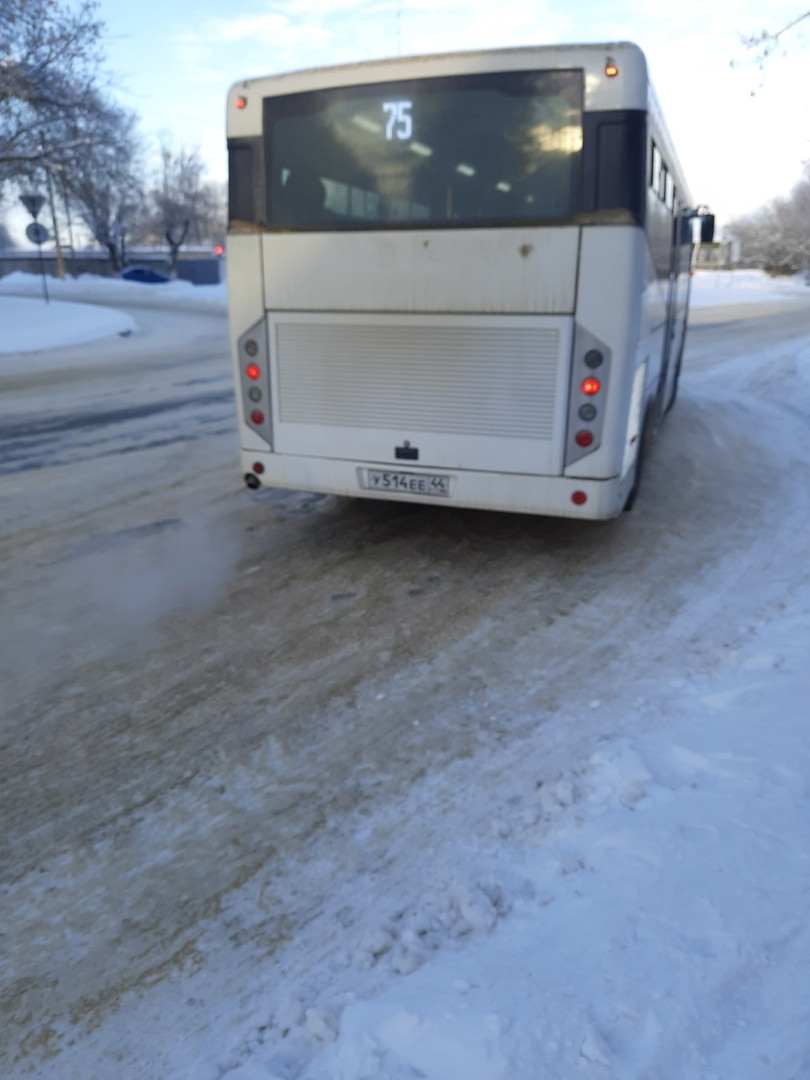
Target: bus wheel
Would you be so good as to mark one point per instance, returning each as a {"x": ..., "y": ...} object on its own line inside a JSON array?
[{"x": 642, "y": 452}]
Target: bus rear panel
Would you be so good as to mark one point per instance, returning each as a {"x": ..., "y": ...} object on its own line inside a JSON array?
[{"x": 455, "y": 280}]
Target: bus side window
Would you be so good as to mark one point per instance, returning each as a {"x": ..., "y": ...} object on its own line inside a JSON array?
[
  {"x": 663, "y": 177},
  {"x": 620, "y": 181},
  {"x": 655, "y": 168},
  {"x": 241, "y": 203}
]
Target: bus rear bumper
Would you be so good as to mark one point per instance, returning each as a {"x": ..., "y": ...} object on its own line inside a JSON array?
[{"x": 590, "y": 500}]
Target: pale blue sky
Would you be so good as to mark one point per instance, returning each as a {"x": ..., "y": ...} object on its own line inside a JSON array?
[{"x": 175, "y": 60}]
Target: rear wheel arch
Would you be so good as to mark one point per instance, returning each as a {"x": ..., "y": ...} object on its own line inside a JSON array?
[{"x": 644, "y": 443}]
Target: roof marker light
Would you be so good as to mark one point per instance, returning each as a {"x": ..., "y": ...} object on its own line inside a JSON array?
[
  {"x": 611, "y": 70},
  {"x": 241, "y": 102}
]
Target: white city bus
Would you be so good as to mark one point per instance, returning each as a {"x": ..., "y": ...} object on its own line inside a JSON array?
[{"x": 459, "y": 279}]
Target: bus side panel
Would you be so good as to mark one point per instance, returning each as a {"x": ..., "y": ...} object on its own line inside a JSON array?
[
  {"x": 679, "y": 312},
  {"x": 653, "y": 329},
  {"x": 657, "y": 325},
  {"x": 612, "y": 277},
  {"x": 245, "y": 309}
]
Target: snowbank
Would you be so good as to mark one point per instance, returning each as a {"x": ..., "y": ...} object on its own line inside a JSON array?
[
  {"x": 30, "y": 324},
  {"x": 712, "y": 288},
  {"x": 653, "y": 902}
]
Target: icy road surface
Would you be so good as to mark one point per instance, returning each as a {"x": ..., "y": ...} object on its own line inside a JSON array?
[{"x": 268, "y": 756}]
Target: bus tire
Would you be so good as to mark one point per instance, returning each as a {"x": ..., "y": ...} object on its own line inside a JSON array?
[{"x": 641, "y": 454}]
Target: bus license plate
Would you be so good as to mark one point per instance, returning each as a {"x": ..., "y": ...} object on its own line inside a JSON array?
[{"x": 408, "y": 483}]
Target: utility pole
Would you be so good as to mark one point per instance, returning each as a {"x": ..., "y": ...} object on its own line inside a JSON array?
[{"x": 47, "y": 166}]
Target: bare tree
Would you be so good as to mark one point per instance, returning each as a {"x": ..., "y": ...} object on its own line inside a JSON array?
[
  {"x": 56, "y": 125},
  {"x": 103, "y": 176},
  {"x": 50, "y": 56},
  {"x": 181, "y": 206},
  {"x": 762, "y": 46}
]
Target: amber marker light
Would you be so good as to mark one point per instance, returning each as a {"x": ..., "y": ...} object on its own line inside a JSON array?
[{"x": 611, "y": 70}]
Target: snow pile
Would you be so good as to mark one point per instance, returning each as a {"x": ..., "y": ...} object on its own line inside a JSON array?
[
  {"x": 111, "y": 288},
  {"x": 714, "y": 287},
  {"x": 29, "y": 324},
  {"x": 648, "y": 917},
  {"x": 641, "y": 914}
]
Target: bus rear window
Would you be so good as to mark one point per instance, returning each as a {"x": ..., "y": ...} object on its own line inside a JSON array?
[{"x": 494, "y": 148}]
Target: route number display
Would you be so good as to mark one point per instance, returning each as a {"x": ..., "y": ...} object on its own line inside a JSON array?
[{"x": 399, "y": 121}]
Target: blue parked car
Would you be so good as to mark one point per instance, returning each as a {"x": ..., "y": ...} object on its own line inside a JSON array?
[{"x": 145, "y": 274}]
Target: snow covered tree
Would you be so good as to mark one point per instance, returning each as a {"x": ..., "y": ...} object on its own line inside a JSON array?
[{"x": 777, "y": 236}]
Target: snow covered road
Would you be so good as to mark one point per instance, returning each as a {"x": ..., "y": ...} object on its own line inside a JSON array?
[{"x": 300, "y": 787}]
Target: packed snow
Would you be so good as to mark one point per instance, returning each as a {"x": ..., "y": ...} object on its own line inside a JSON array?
[
  {"x": 718, "y": 287},
  {"x": 640, "y": 913},
  {"x": 32, "y": 323}
]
